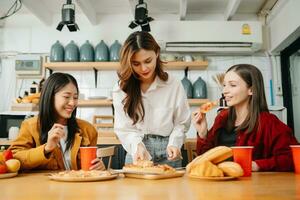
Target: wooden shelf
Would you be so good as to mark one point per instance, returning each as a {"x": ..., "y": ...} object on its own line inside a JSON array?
[
  {"x": 81, "y": 66},
  {"x": 5, "y": 142},
  {"x": 178, "y": 65},
  {"x": 197, "y": 102},
  {"x": 108, "y": 102},
  {"x": 95, "y": 103},
  {"x": 78, "y": 66}
]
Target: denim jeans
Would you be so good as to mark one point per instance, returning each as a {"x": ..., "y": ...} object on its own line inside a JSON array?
[{"x": 157, "y": 147}]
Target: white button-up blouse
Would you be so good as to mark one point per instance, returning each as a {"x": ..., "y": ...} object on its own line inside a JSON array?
[{"x": 167, "y": 113}]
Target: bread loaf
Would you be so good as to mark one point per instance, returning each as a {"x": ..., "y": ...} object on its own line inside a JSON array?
[
  {"x": 206, "y": 169},
  {"x": 35, "y": 100},
  {"x": 231, "y": 168},
  {"x": 215, "y": 155},
  {"x": 34, "y": 96}
]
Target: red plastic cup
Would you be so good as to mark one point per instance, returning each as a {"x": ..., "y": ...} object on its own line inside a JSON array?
[
  {"x": 243, "y": 156},
  {"x": 296, "y": 157},
  {"x": 87, "y": 154}
]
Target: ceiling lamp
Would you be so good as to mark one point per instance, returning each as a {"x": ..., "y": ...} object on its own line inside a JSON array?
[
  {"x": 141, "y": 17},
  {"x": 68, "y": 17}
]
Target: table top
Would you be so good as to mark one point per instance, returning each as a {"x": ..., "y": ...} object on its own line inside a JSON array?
[{"x": 268, "y": 185}]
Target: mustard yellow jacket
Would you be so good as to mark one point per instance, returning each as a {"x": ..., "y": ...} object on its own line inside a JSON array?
[{"x": 29, "y": 150}]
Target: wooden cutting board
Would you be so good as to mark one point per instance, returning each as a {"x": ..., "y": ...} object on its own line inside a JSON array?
[{"x": 155, "y": 176}]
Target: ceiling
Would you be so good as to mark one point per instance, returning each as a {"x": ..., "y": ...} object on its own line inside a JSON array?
[{"x": 158, "y": 9}]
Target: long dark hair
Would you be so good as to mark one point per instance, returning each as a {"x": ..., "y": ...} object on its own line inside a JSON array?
[
  {"x": 129, "y": 82},
  {"x": 47, "y": 113},
  {"x": 257, "y": 103}
]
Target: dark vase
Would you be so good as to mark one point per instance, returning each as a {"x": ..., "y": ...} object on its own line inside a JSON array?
[
  {"x": 101, "y": 52},
  {"x": 187, "y": 85},
  {"x": 57, "y": 52},
  {"x": 87, "y": 52},
  {"x": 199, "y": 89},
  {"x": 114, "y": 51},
  {"x": 71, "y": 52}
]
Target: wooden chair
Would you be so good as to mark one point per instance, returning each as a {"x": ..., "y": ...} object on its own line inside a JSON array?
[
  {"x": 106, "y": 152},
  {"x": 190, "y": 147}
]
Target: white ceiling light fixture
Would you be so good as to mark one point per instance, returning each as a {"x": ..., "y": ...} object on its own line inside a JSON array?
[
  {"x": 68, "y": 17},
  {"x": 141, "y": 17}
]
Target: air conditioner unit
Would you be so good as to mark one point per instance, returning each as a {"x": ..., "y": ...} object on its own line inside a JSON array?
[{"x": 209, "y": 36}]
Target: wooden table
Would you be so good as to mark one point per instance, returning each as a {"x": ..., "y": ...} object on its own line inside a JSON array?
[{"x": 260, "y": 186}]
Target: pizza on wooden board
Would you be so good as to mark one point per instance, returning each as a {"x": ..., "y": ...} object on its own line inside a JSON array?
[{"x": 148, "y": 167}]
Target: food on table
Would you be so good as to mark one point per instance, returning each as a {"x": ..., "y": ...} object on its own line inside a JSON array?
[
  {"x": 7, "y": 154},
  {"x": 215, "y": 155},
  {"x": 204, "y": 108},
  {"x": 206, "y": 168},
  {"x": 83, "y": 174},
  {"x": 231, "y": 168},
  {"x": 8, "y": 163},
  {"x": 148, "y": 167},
  {"x": 13, "y": 165},
  {"x": 212, "y": 164},
  {"x": 3, "y": 167}
]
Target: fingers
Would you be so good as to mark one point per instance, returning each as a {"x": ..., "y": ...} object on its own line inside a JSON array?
[
  {"x": 57, "y": 130},
  {"x": 97, "y": 164},
  {"x": 173, "y": 153},
  {"x": 198, "y": 116},
  {"x": 170, "y": 153},
  {"x": 54, "y": 135},
  {"x": 57, "y": 126}
]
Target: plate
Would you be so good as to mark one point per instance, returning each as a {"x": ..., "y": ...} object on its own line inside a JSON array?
[
  {"x": 154, "y": 176},
  {"x": 223, "y": 178},
  {"x": 57, "y": 177},
  {"x": 8, "y": 175}
]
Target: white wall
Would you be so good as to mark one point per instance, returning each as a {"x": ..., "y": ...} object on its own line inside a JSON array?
[
  {"x": 26, "y": 34},
  {"x": 284, "y": 24}
]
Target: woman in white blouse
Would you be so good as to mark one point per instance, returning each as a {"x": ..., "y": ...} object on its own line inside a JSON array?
[{"x": 151, "y": 110}]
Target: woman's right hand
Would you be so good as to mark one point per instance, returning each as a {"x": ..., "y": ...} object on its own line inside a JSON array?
[
  {"x": 54, "y": 135},
  {"x": 200, "y": 123},
  {"x": 141, "y": 153}
]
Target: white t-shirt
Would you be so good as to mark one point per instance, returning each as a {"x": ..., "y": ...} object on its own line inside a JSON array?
[
  {"x": 67, "y": 154},
  {"x": 167, "y": 113}
]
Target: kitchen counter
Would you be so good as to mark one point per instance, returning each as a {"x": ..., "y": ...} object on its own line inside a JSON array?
[{"x": 264, "y": 186}]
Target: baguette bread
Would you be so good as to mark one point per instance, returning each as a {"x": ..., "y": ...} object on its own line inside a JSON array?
[
  {"x": 231, "y": 168},
  {"x": 206, "y": 169},
  {"x": 215, "y": 155}
]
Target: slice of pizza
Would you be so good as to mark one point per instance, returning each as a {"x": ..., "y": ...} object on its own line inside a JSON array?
[
  {"x": 148, "y": 167},
  {"x": 204, "y": 108}
]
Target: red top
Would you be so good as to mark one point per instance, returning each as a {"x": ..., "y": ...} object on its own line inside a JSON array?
[{"x": 271, "y": 142}]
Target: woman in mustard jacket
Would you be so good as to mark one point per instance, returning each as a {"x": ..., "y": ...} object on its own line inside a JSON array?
[{"x": 55, "y": 131}]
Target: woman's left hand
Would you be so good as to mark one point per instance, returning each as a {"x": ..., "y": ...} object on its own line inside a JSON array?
[
  {"x": 97, "y": 164},
  {"x": 255, "y": 167},
  {"x": 173, "y": 153}
]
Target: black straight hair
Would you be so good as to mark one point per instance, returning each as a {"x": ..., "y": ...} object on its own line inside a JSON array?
[{"x": 47, "y": 113}]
